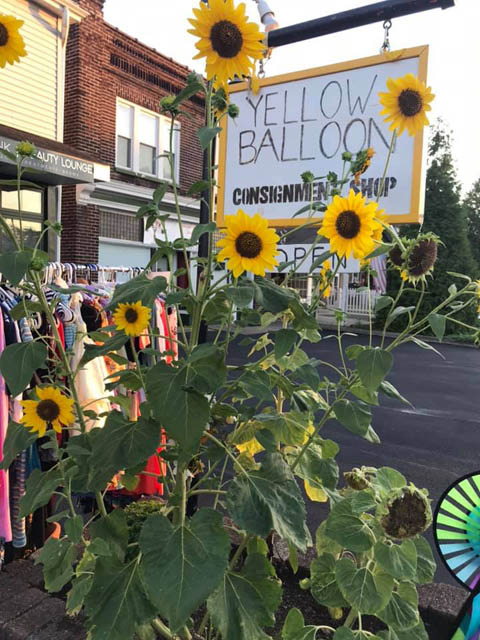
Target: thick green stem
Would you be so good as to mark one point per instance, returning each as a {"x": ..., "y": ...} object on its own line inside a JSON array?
[
  {"x": 163, "y": 630},
  {"x": 352, "y": 616},
  {"x": 100, "y": 504}
]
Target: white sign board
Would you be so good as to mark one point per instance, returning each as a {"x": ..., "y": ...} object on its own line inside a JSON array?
[
  {"x": 297, "y": 253},
  {"x": 304, "y": 122}
]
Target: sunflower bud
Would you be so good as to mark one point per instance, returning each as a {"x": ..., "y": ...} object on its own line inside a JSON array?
[
  {"x": 193, "y": 77},
  {"x": 332, "y": 177},
  {"x": 166, "y": 105},
  {"x": 26, "y": 149},
  {"x": 37, "y": 264},
  {"x": 356, "y": 479},
  {"x": 406, "y": 513},
  {"x": 336, "y": 613},
  {"x": 346, "y": 156},
  {"x": 233, "y": 111},
  {"x": 307, "y": 176},
  {"x": 220, "y": 100}
]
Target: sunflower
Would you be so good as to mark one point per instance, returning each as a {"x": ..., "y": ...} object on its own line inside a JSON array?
[
  {"x": 349, "y": 224},
  {"x": 12, "y": 45},
  {"x": 249, "y": 244},
  {"x": 406, "y": 103},
  {"x": 420, "y": 257},
  {"x": 52, "y": 408},
  {"x": 132, "y": 317},
  {"x": 228, "y": 41},
  {"x": 325, "y": 272},
  {"x": 361, "y": 164}
]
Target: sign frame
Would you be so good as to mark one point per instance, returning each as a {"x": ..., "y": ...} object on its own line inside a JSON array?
[{"x": 415, "y": 215}]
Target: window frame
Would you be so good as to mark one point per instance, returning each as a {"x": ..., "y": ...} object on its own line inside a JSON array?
[{"x": 162, "y": 120}]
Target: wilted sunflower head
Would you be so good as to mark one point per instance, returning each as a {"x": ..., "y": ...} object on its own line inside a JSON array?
[
  {"x": 230, "y": 44},
  {"x": 420, "y": 256},
  {"x": 406, "y": 513},
  {"x": 356, "y": 479},
  {"x": 405, "y": 104},
  {"x": 12, "y": 46}
]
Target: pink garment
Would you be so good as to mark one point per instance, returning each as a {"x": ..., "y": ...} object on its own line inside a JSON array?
[{"x": 5, "y": 526}]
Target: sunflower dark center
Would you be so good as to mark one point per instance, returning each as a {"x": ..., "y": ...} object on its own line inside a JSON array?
[
  {"x": 348, "y": 224},
  {"x": 3, "y": 35},
  {"x": 248, "y": 245},
  {"x": 422, "y": 258},
  {"x": 48, "y": 410},
  {"x": 131, "y": 315},
  {"x": 410, "y": 102},
  {"x": 226, "y": 38}
]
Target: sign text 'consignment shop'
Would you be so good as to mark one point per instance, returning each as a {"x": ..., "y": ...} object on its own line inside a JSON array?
[{"x": 305, "y": 121}]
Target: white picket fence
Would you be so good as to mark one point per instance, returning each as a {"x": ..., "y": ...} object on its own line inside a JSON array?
[{"x": 353, "y": 301}]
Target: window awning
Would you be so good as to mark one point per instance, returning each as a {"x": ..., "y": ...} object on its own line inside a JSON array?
[{"x": 55, "y": 163}]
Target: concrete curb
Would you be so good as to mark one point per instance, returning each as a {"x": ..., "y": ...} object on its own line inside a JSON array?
[{"x": 256, "y": 330}]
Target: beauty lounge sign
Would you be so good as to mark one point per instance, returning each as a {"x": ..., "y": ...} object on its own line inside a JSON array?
[
  {"x": 304, "y": 122},
  {"x": 50, "y": 162}
]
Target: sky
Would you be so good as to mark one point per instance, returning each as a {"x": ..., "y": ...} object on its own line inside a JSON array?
[{"x": 453, "y": 36}]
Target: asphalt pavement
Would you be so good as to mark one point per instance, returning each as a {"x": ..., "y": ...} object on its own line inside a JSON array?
[{"x": 433, "y": 443}]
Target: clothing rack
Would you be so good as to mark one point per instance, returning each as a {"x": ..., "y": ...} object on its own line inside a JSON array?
[{"x": 70, "y": 271}]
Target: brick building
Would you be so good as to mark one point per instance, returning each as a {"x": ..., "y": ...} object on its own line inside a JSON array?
[{"x": 113, "y": 88}]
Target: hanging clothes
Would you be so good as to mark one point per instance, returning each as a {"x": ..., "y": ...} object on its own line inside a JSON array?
[
  {"x": 90, "y": 380},
  {"x": 5, "y": 524}
]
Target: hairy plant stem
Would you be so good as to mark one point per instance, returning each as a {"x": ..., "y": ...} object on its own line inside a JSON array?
[
  {"x": 177, "y": 201},
  {"x": 137, "y": 361}
]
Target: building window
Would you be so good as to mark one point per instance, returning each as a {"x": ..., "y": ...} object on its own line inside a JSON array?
[
  {"x": 143, "y": 142},
  {"x": 32, "y": 207},
  {"x": 124, "y": 135},
  {"x": 121, "y": 226}
]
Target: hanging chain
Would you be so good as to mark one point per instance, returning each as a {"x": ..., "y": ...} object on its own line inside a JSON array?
[
  {"x": 261, "y": 67},
  {"x": 387, "y": 25}
]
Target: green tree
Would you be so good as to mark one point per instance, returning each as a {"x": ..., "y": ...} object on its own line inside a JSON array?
[
  {"x": 471, "y": 205},
  {"x": 445, "y": 216}
]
